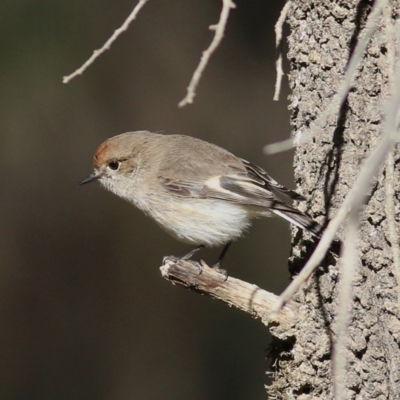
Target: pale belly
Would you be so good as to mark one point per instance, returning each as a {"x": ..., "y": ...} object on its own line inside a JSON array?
[{"x": 207, "y": 222}]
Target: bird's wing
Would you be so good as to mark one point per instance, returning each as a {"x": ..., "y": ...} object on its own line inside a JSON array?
[
  {"x": 213, "y": 173},
  {"x": 247, "y": 193},
  {"x": 207, "y": 161},
  {"x": 237, "y": 190},
  {"x": 235, "y": 180},
  {"x": 261, "y": 178}
]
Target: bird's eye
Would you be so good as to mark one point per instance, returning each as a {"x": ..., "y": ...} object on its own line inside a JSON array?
[{"x": 114, "y": 165}]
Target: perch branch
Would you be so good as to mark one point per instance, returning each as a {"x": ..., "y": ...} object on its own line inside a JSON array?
[{"x": 245, "y": 296}]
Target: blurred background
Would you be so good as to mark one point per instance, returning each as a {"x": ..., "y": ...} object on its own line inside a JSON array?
[{"x": 84, "y": 312}]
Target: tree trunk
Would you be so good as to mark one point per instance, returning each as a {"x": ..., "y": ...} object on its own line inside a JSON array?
[{"x": 322, "y": 40}]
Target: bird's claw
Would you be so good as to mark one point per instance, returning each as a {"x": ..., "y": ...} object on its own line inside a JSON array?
[
  {"x": 173, "y": 259},
  {"x": 221, "y": 271},
  {"x": 176, "y": 260}
]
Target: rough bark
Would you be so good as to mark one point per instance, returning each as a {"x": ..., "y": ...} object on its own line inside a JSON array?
[{"x": 322, "y": 38}]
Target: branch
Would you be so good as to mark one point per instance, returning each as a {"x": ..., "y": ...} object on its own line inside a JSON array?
[
  {"x": 245, "y": 296},
  {"x": 350, "y": 263},
  {"x": 279, "y": 147},
  {"x": 219, "y": 33},
  {"x": 107, "y": 45},
  {"x": 278, "y": 42}
]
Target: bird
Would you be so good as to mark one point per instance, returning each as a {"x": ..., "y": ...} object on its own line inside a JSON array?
[{"x": 198, "y": 192}]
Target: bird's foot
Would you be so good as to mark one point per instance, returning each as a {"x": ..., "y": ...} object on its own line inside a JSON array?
[
  {"x": 221, "y": 271},
  {"x": 170, "y": 258},
  {"x": 176, "y": 260}
]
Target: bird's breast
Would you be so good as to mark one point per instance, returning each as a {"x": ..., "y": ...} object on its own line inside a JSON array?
[{"x": 201, "y": 221}]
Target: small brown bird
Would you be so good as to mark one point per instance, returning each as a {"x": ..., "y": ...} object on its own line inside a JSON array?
[{"x": 198, "y": 192}]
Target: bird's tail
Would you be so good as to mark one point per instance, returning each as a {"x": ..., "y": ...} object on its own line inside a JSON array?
[{"x": 299, "y": 219}]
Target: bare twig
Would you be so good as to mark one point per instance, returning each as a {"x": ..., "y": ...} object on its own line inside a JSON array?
[
  {"x": 349, "y": 264},
  {"x": 107, "y": 44},
  {"x": 279, "y": 147},
  {"x": 336, "y": 103},
  {"x": 278, "y": 42},
  {"x": 315, "y": 259},
  {"x": 219, "y": 33},
  {"x": 245, "y": 296}
]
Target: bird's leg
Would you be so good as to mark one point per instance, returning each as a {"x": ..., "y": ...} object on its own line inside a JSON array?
[
  {"x": 217, "y": 265},
  {"x": 189, "y": 255},
  {"x": 186, "y": 257},
  {"x": 222, "y": 255}
]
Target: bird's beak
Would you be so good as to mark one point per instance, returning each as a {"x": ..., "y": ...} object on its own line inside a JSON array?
[{"x": 92, "y": 177}]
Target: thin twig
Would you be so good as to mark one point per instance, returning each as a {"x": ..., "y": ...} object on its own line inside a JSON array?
[
  {"x": 279, "y": 147},
  {"x": 315, "y": 259},
  {"x": 219, "y": 34},
  {"x": 278, "y": 42},
  {"x": 336, "y": 103},
  {"x": 349, "y": 264},
  {"x": 245, "y": 296},
  {"x": 107, "y": 44}
]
